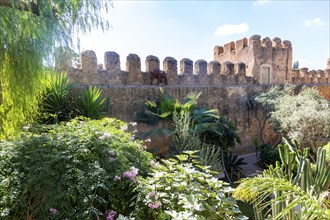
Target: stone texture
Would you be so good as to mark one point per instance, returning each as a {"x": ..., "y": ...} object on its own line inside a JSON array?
[
  {"x": 171, "y": 69},
  {"x": 186, "y": 72},
  {"x": 152, "y": 62},
  {"x": 89, "y": 67},
  {"x": 112, "y": 61},
  {"x": 256, "y": 54},
  {"x": 201, "y": 73},
  {"x": 133, "y": 67}
]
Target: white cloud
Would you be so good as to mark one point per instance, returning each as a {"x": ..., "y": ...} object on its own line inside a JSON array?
[
  {"x": 260, "y": 2},
  {"x": 229, "y": 29},
  {"x": 314, "y": 22}
]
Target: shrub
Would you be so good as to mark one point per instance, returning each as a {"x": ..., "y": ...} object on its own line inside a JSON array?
[
  {"x": 90, "y": 104},
  {"x": 303, "y": 117},
  {"x": 57, "y": 102},
  {"x": 181, "y": 188},
  {"x": 75, "y": 170},
  {"x": 268, "y": 155},
  {"x": 186, "y": 139}
]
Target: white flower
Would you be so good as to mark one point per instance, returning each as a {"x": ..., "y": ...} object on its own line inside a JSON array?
[{"x": 133, "y": 123}]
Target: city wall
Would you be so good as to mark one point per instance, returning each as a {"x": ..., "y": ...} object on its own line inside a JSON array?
[{"x": 225, "y": 85}]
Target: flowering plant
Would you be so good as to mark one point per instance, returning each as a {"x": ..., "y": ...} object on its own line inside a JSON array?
[
  {"x": 82, "y": 169},
  {"x": 181, "y": 188}
]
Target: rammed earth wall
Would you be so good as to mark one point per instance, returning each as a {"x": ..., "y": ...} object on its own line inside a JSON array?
[{"x": 239, "y": 72}]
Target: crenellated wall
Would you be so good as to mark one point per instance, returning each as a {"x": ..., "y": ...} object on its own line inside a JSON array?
[
  {"x": 190, "y": 73},
  {"x": 240, "y": 70},
  {"x": 259, "y": 54},
  {"x": 246, "y": 61}
]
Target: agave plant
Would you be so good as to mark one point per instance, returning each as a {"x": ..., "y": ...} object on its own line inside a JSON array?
[
  {"x": 302, "y": 195},
  {"x": 56, "y": 100},
  {"x": 91, "y": 104}
]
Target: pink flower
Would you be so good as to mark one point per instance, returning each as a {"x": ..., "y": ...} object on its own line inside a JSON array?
[
  {"x": 111, "y": 215},
  {"x": 131, "y": 174},
  {"x": 53, "y": 211},
  {"x": 154, "y": 205},
  {"x": 151, "y": 194},
  {"x": 112, "y": 153},
  {"x": 117, "y": 178}
]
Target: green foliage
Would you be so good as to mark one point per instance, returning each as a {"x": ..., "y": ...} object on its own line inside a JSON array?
[
  {"x": 185, "y": 139},
  {"x": 77, "y": 168},
  {"x": 233, "y": 165},
  {"x": 29, "y": 32},
  {"x": 218, "y": 131},
  {"x": 304, "y": 117},
  {"x": 294, "y": 196},
  {"x": 164, "y": 108},
  {"x": 56, "y": 100},
  {"x": 91, "y": 104},
  {"x": 268, "y": 155},
  {"x": 58, "y": 104},
  {"x": 181, "y": 188},
  {"x": 205, "y": 123}
]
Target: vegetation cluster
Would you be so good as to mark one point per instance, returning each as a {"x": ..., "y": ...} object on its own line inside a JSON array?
[{"x": 62, "y": 158}]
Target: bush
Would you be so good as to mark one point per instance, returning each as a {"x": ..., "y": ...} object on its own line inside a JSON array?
[
  {"x": 57, "y": 102},
  {"x": 181, "y": 188},
  {"x": 303, "y": 117},
  {"x": 74, "y": 170},
  {"x": 268, "y": 155}
]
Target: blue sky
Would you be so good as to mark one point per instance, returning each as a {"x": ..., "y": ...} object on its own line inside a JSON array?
[{"x": 191, "y": 29}]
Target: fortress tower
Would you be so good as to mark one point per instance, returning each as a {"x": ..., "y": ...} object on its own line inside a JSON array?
[{"x": 267, "y": 61}]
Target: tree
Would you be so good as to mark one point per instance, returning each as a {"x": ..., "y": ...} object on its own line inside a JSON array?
[
  {"x": 303, "y": 116},
  {"x": 29, "y": 33}
]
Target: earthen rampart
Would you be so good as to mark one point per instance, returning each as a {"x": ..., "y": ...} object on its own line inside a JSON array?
[
  {"x": 246, "y": 61},
  {"x": 241, "y": 70},
  {"x": 184, "y": 72}
]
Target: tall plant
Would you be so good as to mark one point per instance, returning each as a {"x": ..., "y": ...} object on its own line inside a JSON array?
[
  {"x": 295, "y": 195},
  {"x": 56, "y": 100},
  {"x": 29, "y": 32},
  {"x": 91, "y": 104},
  {"x": 186, "y": 139}
]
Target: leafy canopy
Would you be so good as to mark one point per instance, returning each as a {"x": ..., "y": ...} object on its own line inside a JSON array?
[{"x": 29, "y": 32}]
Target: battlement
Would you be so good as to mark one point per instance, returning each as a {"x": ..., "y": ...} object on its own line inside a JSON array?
[
  {"x": 246, "y": 61},
  {"x": 305, "y": 76},
  {"x": 253, "y": 41},
  {"x": 259, "y": 54},
  {"x": 184, "y": 72}
]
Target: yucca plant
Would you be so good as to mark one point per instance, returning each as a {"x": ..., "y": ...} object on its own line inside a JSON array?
[
  {"x": 303, "y": 194},
  {"x": 56, "y": 100},
  {"x": 91, "y": 104}
]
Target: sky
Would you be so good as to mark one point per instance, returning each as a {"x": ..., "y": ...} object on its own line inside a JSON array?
[{"x": 191, "y": 29}]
